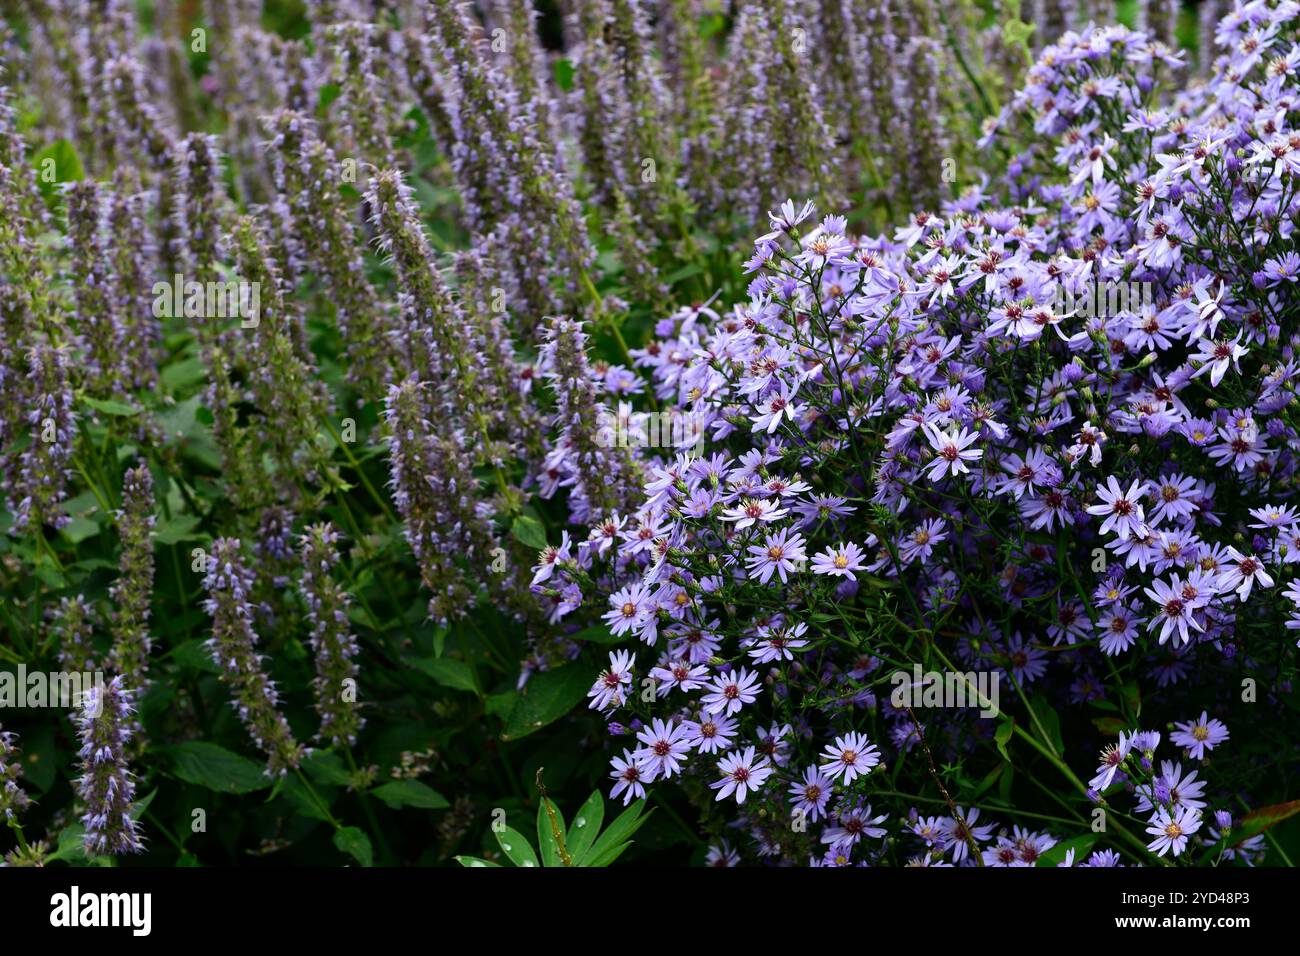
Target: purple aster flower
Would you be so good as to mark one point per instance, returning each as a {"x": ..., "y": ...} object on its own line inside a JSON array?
[{"x": 1199, "y": 736}]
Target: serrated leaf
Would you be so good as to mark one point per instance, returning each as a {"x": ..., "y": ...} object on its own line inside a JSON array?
[
  {"x": 410, "y": 793},
  {"x": 516, "y": 847},
  {"x": 207, "y": 765},
  {"x": 354, "y": 842}
]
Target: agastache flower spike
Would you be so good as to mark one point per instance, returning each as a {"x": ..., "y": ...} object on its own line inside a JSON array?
[
  {"x": 331, "y": 636},
  {"x": 107, "y": 786},
  {"x": 134, "y": 587},
  {"x": 233, "y": 646}
]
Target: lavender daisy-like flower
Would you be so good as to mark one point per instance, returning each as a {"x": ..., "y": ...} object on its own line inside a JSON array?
[
  {"x": 663, "y": 745},
  {"x": 1171, "y": 829},
  {"x": 628, "y": 781},
  {"x": 1174, "y": 611},
  {"x": 1198, "y": 736},
  {"x": 609, "y": 690},
  {"x": 952, "y": 451},
  {"x": 811, "y": 793},
  {"x": 1112, "y": 758},
  {"x": 840, "y": 561},
  {"x": 731, "y": 691},
  {"x": 712, "y": 733},
  {"x": 106, "y": 785},
  {"x": 849, "y": 757},
  {"x": 1123, "y": 510},
  {"x": 741, "y": 774},
  {"x": 779, "y": 554},
  {"x": 1241, "y": 573}
]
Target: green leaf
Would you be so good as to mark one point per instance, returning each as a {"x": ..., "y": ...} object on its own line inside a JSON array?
[
  {"x": 410, "y": 793},
  {"x": 1080, "y": 845},
  {"x": 450, "y": 672},
  {"x": 516, "y": 846},
  {"x": 109, "y": 407},
  {"x": 1002, "y": 735},
  {"x": 1050, "y": 723},
  {"x": 547, "y": 697},
  {"x": 585, "y": 826},
  {"x": 193, "y": 655},
  {"x": 475, "y": 861},
  {"x": 57, "y": 163},
  {"x": 564, "y": 74},
  {"x": 550, "y": 833},
  {"x": 178, "y": 529},
  {"x": 617, "y": 838},
  {"x": 530, "y": 531},
  {"x": 207, "y": 765},
  {"x": 598, "y": 634},
  {"x": 327, "y": 768},
  {"x": 354, "y": 842}
]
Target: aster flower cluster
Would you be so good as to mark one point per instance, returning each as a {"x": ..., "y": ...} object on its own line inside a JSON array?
[{"x": 951, "y": 435}]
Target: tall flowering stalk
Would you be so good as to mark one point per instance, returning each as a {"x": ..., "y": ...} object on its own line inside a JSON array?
[
  {"x": 132, "y": 267},
  {"x": 289, "y": 398},
  {"x": 37, "y": 477},
  {"x": 309, "y": 175},
  {"x": 331, "y": 636},
  {"x": 96, "y": 318},
  {"x": 512, "y": 184},
  {"x": 133, "y": 590},
  {"x": 233, "y": 646},
  {"x": 72, "y": 625},
  {"x": 107, "y": 785},
  {"x": 13, "y": 799},
  {"x": 602, "y": 477},
  {"x": 444, "y": 520}
]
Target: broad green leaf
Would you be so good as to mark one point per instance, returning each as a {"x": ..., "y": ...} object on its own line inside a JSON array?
[
  {"x": 410, "y": 793},
  {"x": 564, "y": 74},
  {"x": 57, "y": 163},
  {"x": 207, "y": 765},
  {"x": 516, "y": 846},
  {"x": 178, "y": 529},
  {"x": 585, "y": 826},
  {"x": 475, "y": 861},
  {"x": 354, "y": 842},
  {"x": 529, "y": 530},
  {"x": 1050, "y": 723},
  {"x": 547, "y": 696},
  {"x": 449, "y": 672}
]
